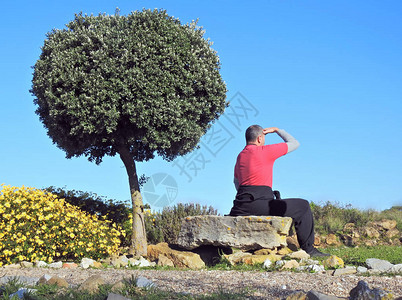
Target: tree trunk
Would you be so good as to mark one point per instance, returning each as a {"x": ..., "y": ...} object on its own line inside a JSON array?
[{"x": 139, "y": 237}]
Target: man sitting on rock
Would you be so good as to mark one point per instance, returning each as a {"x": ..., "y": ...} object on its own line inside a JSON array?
[{"x": 253, "y": 181}]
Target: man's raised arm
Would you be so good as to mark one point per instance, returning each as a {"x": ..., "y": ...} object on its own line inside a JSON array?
[{"x": 292, "y": 143}]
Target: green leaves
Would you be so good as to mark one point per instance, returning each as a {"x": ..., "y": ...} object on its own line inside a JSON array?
[{"x": 144, "y": 80}]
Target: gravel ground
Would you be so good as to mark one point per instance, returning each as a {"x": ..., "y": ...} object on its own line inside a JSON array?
[{"x": 264, "y": 285}]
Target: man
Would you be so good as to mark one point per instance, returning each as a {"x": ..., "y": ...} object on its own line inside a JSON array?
[{"x": 253, "y": 181}]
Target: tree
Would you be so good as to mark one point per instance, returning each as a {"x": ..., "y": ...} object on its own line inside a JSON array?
[{"x": 135, "y": 85}]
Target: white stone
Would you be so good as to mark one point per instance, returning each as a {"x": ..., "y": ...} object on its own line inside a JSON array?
[
  {"x": 361, "y": 269},
  {"x": 267, "y": 264},
  {"x": 279, "y": 263},
  {"x": 144, "y": 282},
  {"x": 40, "y": 264},
  {"x": 143, "y": 263},
  {"x": 316, "y": 268},
  {"x": 86, "y": 263},
  {"x": 396, "y": 269},
  {"x": 56, "y": 265}
]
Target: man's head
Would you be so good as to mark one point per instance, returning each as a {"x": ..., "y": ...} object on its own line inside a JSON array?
[{"x": 254, "y": 135}]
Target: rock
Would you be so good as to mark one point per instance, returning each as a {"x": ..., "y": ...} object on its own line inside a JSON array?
[
  {"x": 378, "y": 265},
  {"x": 265, "y": 251},
  {"x": 371, "y": 232},
  {"x": 142, "y": 262},
  {"x": 316, "y": 268},
  {"x": 181, "y": 259},
  {"x": 21, "y": 279},
  {"x": 290, "y": 264},
  {"x": 60, "y": 282},
  {"x": 56, "y": 265},
  {"x": 385, "y": 224},
  {"x": 314, "y": 295},
  {"x": 12, "y": 266},
  {"x": 144, "y": 282},
  {"x": 279, "y": 263},
  {"x": 21, "y": 291},
  {"x": 309, "y": 261},
  {"x": 257, "y": 259},
  {"x": 44, "y": 279},
  {"x": 284, "y": 251},
  {"x": 92, "y": 284},
  {"x": 97, "y": 265},
  {"x": 86, "y": 263},
  {"x": 349, "y": 227},
  {"x": 26, "y": 264},
  {"x": 317, "y": 240},
  {"x": 392, "y": 232},
  {"x": 361, "y": 270},
  {"x": 396, "y": 269},
  {"x": 236, "y": 257},
  {"x": 299, "y": 255},
  {"x": 345, "y": 271},
  {"x": 119, "y": 262},
  {"x": 243, "y": 232},
  {"x": 333, "y": 262},
  {"x": 113, "y": 296},
  {"x": 363, "y": 292},
  {"x": 163, "y": 261},
  {"x": 267, "y": 264},
  {"x": 69, "y": 265},
  {"x": 297, "y": 296},
  {"x": 40, "y": 264},
  {"x": 331, "y": 239}
]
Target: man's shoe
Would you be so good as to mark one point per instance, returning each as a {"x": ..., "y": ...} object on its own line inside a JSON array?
[{"x": 315, "y": 253}]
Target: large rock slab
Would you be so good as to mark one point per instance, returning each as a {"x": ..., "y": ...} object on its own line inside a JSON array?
[{"x": 243, "y": 232}]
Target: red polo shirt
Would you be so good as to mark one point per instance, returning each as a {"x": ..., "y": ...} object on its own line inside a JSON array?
[{"x": 255, "y": 163}]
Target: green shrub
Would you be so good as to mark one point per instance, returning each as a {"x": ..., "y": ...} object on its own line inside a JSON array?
[{"x": 38, "y": 225}]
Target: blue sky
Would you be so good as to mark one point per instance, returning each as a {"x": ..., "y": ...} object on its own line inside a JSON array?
[{"x": 328, "y": 73}]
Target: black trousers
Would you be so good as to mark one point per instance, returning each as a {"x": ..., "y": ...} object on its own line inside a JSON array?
[{"x": 260, "y": 201}]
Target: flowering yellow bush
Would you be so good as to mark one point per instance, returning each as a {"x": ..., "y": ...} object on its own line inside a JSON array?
[{"x": 37, "y": 225}]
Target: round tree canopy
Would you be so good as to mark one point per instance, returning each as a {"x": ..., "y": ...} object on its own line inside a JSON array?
[{"x": 143, "y": 81}]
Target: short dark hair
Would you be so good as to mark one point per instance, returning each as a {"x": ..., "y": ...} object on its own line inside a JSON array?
[{"x": 253, "y": 132}]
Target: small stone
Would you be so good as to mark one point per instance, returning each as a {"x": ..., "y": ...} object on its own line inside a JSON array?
[
  {"x": 60, "y": 282},
  {"x": 290, "y": 264},
  {"x": 56, "y": 265},
  {"x": 396, "y": 269},
  {"x": 86, "y": 263},
  {"x": 361, "y": 269},
  {"x": 392, "y": 232},
  {"x": 40, "y": 264},
  {"x": 379, "y": 265},
  {"x": 299, "y": 254},
  {"x": 44, "y": 279},
  {"x": 386, "y": 224},
  {"x": 267, "y": 264},
  {"x": 236, "y": 257},
  {"x": 333, "y": 262},
  {"x": 279, "y": 263},
  {"x": 13, "y": 266},
  {"x": 92, "y": 284},
  {"x": 284, "y": 251},
  {"x": 69, "y": 265},
  {"x": 144, "y": 263},
  {"x": 264, "y": 251},
  {"x": 309, "y": 261},
  {"x": 144, "y": 282},
  {"x": 26, "y": 264},
  {"x": 97, "y": 265},
  {"x": 316, "y": 268},
  {"x": 345, "y": 271}
]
